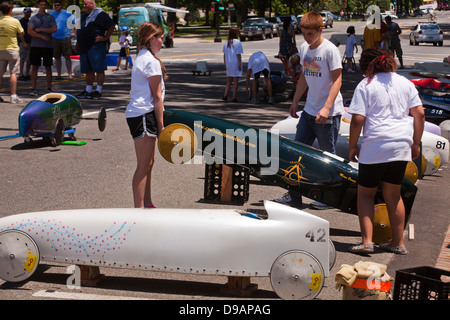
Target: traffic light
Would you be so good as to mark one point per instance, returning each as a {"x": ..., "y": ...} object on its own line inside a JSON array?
[
  {"x": 344, "y": 3},
  {"x": 217, "y": 6}
]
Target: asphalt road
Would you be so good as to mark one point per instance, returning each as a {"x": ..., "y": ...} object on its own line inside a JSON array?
[{"x": 98, "y": 175}]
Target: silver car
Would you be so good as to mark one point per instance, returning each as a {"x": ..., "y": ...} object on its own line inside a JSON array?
[
  {"x": 327, "y": 19},
  {"x": 426, "y": 32}
]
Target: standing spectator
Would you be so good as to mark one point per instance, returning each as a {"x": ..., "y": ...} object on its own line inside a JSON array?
[
  {"x": 62, "y": 44},
  {"x": 394, "y": 31},
  {"x": 24, "y": 73},
  {"x": 372, "y": 36},
  {"x": 144, "y": 113},
  {"x": 40, "y": 28},
  {"x": 125, "y": 42},
  {"x": 380, "y": 107},
  {"x": 287, "y": 44},
  {"x": 96, "y": 28},
  {"x": 10, "y": 29},
  {"x": 257, "y": 64},
  {"x": 350, "y": 47},
  {"x": 322, "y": 76},
  {"x": 373, "y": 33},
  {"x": 232, "y": 59}
]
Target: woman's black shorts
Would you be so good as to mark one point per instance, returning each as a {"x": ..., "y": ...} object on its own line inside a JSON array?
[
  {"x": 370, "y": 175},
  {"x": 143, "y": 125}
]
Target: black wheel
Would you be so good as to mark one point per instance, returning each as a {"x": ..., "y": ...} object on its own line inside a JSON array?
[
  {"x": 28, "y": 141},
  {"x": 102, "y": 119},
  {"x": 59, "y": 133}
]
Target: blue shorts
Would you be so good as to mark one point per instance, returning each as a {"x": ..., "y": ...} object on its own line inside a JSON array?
[
  {"x": 308, "y": 130},
  {"x": 95, "y": 59}
]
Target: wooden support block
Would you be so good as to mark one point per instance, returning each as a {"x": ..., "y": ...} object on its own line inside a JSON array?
[
  {"x": 90, "y": 276},
  {"x": 240, "y": 286},
  {"x": 411, "y": 232},
  {"x": 227, "y": 183}
]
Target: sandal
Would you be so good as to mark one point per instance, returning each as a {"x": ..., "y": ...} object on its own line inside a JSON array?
[
  {"x": 397, "y": 250},
  {"x": 362, "y": 248}
]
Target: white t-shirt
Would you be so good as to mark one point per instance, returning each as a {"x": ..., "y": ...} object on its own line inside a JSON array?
[
  {"x": 385, "y": 104},
  {"x": 350, "y": 46},
  {"x": 317, "y": 65},
  {"x": 231, "y": 59},
  {"x": 125, "y": 44},
  {"x": 258, "y": 62},
  {"x": 144, "y": 67}
]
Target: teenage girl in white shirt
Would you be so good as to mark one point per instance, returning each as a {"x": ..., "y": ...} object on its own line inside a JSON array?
[
  {"x": 232, "y": 51},
  {"x": 381, "y": 104},
  {"x": 145, "y": 111}
]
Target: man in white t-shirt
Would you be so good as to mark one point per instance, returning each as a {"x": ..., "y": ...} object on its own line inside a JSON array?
[
  {"x": 322, "y": 76},
  {"x": 258, "y": 64}
]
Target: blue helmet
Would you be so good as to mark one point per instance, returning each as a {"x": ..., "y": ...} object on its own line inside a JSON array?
[{"x": 125, "y": 28}]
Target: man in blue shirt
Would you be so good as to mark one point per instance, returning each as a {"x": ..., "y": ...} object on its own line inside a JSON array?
[{"x": 62, "y": 44}]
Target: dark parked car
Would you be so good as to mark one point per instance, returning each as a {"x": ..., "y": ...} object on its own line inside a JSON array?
[
  {"x": 256, "y": 27},
  {"x": 277, "y": 25},
  {"x": 418, "y": 12}
]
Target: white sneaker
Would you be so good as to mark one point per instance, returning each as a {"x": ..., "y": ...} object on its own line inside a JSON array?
[
  {"x": 351, "y": 70},
  {"x": 16, "y": 99}
]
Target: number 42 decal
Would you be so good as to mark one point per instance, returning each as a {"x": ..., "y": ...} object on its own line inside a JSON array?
[{"x": 316, "y": 236}]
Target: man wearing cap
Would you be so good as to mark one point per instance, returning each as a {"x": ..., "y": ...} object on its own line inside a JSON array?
[
  {"x": 10, "y": 29},
  {"x": 62, "y": 44},
  {"x": 24, "y": 73}
]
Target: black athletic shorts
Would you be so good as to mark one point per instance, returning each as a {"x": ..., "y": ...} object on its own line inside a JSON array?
[
  {"x": 265, "y": 72},
  {"x": 36, "y": 54},
  {"x": 370, "y": 175},
  {"x": 143, "y": 125}
]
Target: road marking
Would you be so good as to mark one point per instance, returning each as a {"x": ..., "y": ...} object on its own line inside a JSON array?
[
  {"x": 96, "y": 112},
  {"x": 190, "y": 55},
  {"x": 79, "y": 296}
]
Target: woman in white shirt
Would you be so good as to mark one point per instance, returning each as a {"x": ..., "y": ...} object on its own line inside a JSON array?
[
  {"x": 145, "y": 111},
  {"x": 381, "y": 104}
]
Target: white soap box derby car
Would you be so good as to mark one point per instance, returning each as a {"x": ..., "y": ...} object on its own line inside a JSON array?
[{"x": 291, "y": 246}]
